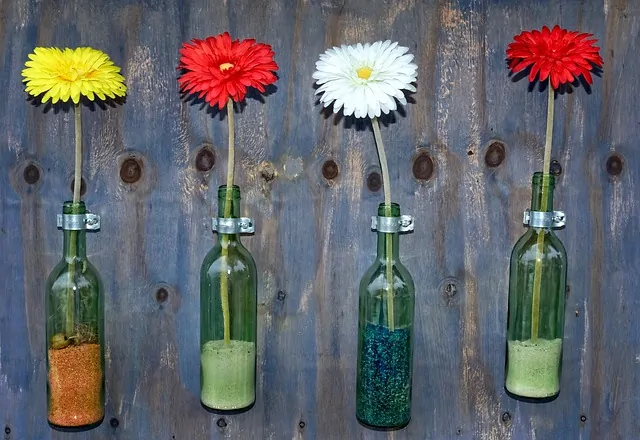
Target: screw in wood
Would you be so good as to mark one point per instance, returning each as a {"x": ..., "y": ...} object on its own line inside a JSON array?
[
  {"x": 114, "y": 422},
  {"x": 7, "y": 430},
  {"x": 130, "y": 170},
  {"x": 222, "y": 423},
  {"x": 583, "y": 418},
  {"x": 495, "y": 154},
  {"x": 302, "y": 424},
  {"x": 205, "y": 159},
  {"x": 330, "y": 169},
  {"x": 506, "y": 417},
  {"x": 281, "y": 295}
]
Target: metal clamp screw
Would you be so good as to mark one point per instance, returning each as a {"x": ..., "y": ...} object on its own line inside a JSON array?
[
  {"x": 78, "y": 222},
  {"x": 242, "y": 225},
  {"x": 404, "y": 223},
  {"x": 542, "y": 219}
]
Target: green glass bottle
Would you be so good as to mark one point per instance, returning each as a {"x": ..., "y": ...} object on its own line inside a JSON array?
[
  {"x": 535, "y": 320},
  {"x": 385, "y": 336},
  {"x": 75, "y": 334},
  {"x": 228, "y": 317}
]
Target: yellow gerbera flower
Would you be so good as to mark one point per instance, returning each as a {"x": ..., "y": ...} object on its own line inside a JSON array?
[{"x": 69, "y": 73}]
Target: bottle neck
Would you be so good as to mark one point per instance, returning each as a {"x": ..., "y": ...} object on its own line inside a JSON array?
[
  {"x": 384, "y": 247},
  {"x": 542, "y": 194},
  {"x": 75, "y": 245},
  {"x": 228, "y": 207}
]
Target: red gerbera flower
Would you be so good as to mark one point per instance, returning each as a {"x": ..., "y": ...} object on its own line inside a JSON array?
[
  {"x": 557, "y": 54},
  {"x": 219, "y": 68}
]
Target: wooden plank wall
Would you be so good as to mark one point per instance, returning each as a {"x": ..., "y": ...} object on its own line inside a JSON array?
[{"x": 313, "y": 240}]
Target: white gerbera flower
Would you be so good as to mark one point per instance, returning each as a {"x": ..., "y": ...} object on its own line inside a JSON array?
[{"x": 365, "y": 79}]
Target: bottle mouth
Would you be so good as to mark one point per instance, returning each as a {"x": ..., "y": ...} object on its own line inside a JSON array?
[
  {"x": 71, "y": 207},
  {"x": 235, "y": 191},
  {"x": 383, "y": 210}
]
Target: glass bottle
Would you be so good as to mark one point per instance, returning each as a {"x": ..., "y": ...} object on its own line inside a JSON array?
[
  {"x": 536, "y": 306},
  {"x": 228, "y": 318},
  {"x": 385, "y": 336},
  {"x": 75, "y": 328}
]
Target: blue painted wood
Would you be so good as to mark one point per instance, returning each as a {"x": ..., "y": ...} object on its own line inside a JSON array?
[{"x": 313, "y": 240}]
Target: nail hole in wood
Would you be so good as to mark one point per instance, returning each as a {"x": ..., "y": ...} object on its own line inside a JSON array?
[
  {"x": 31, "y": 174},
  {"x": 470, "y": 153},
  {"x": 222, "y": 423},
  {"x": 330, "y": 169},
  {"x": 130, "y": 171},
  {"x": 506, "y": 417},
  {"x": 162, "y": 295},
  {"x": 7, "y": 430},
  {"x": 114, "y": 422},
  {"x": 302, "y": 424},
  {"x": 205, "y": 159},
  {"x": 83, "y": 186},
  {"x": 614, "y": 165},
  {"x": 459, "y": 431},
  {"x": 281, "y": 295},
  {"x": 495, "y": 154},
  {"x": 374, "y": 181},
  {"x": 555, "y": 168},
  {"x": 583, "y": 418},
  {"x": 422, "y": 166}
]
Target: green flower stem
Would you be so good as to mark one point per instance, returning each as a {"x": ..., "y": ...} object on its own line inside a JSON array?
[
  {"x": 224, "y": 240},
  {"x": 537, "y": 274},
  {"x": 73, "y": 235},
  {"x": 386, "y": 185}
]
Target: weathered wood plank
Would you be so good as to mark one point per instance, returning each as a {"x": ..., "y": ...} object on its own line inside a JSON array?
[{"x": 312, "y": 241}]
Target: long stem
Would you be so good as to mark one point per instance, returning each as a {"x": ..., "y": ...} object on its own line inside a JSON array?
[
  {"x": 537, "y": 274},
  {"x": 73, "y": 235},
  {"x": 386, "y": 185},
  {"x": 224, "y": 280}
]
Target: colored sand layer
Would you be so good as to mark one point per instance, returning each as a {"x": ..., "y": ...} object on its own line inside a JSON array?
[
  {"x": 533, "y": 368},
  {"x": 384, "y": 382},
  {"x": 228, "y": 374},
  {"x": 75, "y": 386}
]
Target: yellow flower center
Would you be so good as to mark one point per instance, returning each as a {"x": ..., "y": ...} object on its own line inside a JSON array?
[
  {"x": 364, "y": 72},
  {"x": 225, "y": 66}
]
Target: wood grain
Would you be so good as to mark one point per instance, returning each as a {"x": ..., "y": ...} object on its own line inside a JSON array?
[{"x": 313, "y": 240}]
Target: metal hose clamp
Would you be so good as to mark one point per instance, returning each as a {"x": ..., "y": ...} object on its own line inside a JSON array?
[
  {"x": 242, "y": 225},
  {"x": 78, "y": 222},
  {"x": 543, "y": 219},
  {"x": 404, "y": 223}
]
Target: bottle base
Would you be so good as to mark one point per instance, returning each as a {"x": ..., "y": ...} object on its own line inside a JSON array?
[
  {"x": 75, "y": 428},
  {"x": 531, "y": 399},
  {"x": 383, "y": 428},
  {"x": 227, "y": 412}
]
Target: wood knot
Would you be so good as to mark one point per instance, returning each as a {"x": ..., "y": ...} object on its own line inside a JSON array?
[
  {"x": 130, "y": 170},
  {"x": 422, "y": 166},
  {"x": 374, "y": 181},
  {"x": 31, "y": 174},
  {"x": 495, "y": 154},
  {"x": 205, "y": 159},
  {"x": 614, "y": 165},
  {"x": 330, "y": 169},
  {"x": 83, "y": 186}
]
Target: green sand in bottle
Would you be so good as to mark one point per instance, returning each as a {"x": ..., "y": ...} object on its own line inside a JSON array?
[
  {"x": 533, "y": 368},
  {"x": 228, "y": 374}
]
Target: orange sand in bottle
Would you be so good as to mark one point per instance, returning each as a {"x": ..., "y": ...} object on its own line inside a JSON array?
[{"x": 75, "y": 386}]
